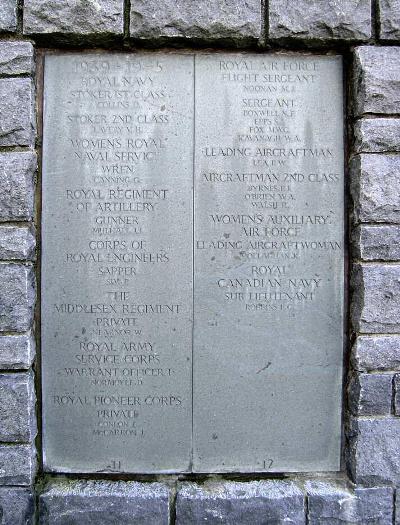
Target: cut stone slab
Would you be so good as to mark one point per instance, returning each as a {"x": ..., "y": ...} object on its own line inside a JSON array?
[
  {"x": 17, "y": 408},
  {"x": 216, "y": 20},
  {"x": 377, "y": 135},
  {"x": 17, "y": 185},
  {"x": 75, "y": 18},
  {"x": 17, "y": 464},
  {"x": 389, "y": 20},
  {"x": 376, "y": 352},
  {"x": 377, "y": 80},
  {"x": 17, "y": 506},
  {"x": 397, "y": 394},
  {"x": 240, "y": 503},
  {"x": 16, "y": 58},
  {"x": 375, "y": 187},
  {"x": 17, "y": 124},
  {"x": 376, "y": 298},
  {"x": 105, "y": 503},
  {"x": 374, "y": 453},
  {"x": 17, "y": 297},
  {"x": 377, "y": 243},
  {"x": 17, "y": 352},
  {"x": 17, "y": 242},
  {"x": 371, "y": 394},
  {"x": 8, "y": 16},
  {"x": 348, "y": 20}
]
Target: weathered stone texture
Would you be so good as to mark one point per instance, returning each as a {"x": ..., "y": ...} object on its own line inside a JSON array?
[
  {"x": 17, "y": 297},
  {"x": 389, "y": 19},
  {"x": 377, "y": 135},
  {"x": 240, "y": 503},
  {"x": 104, "y": 503},
  {"x": 17, "y": 464},
  {"x": 374, "y": 243},
  {"x": 16, "y": 58},
  {"x": 375, "y": 187},
  {"x": 17, "y": 123},
  {"x": 377, "y": 80},
  {"x": 313, "y": 20},
  {"x": 17, "y": 352},
  {"x": 17, "y": 185},
  {"x": 371, "y": 394},
  {"x": 8, "y": 16},
  {"x": 229, "y": 20},
  {"x": 376, "y": 298},
  {"x": 17, "y": 242},
  {"x": 333, "y": 503},
  {"x": 374, "y": 450},
  {"x": 397, "y": 394},
  {"x": 75, "y": 17},
  {"x": 17, "y": 506},
  {"x": 17, "y": 408},
  {"x": 376, "y": 352}
]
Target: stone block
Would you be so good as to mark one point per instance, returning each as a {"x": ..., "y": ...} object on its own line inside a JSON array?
[
  {"x": 375, "y": 187},
  {"x": 241, "y": 503},
  {"x": 376, "y": 80},
  {"x": 374, "y": 450},
  {"x": 17, "y": 408},
  {"x": 376, "y": 352},
  {"x": 17, "y": 352},
  {"x": 377, "y": 243},
  {"x": 17, "y": 297},
  {"x": 104, "y": 503},
  {"x": 215, "y": 20},
  {"x": 74, "y": 19},
  {"x": 8, "y": 16},
  {"x": 17, "y": 506},
  {"x": 377, "y": 135},
  {"x": 16, "y": 58},
  {"x": 17, "y": 124},
  {"x": 17, "y": 242},
  {"x": 17, "y": 464},
  {"x": 316, "y": 21},
  {"x": 397, "y": 394},
  {"x": 17, "y": 185},
  {"x": 333, "y": 503},
  {"x": 389, "y": 20},
  {"x": 376, "y": 298},
  {"x": 370, "y": 394}
]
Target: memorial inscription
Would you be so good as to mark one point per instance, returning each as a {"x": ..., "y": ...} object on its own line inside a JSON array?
[{"x": 192, "y": 262}]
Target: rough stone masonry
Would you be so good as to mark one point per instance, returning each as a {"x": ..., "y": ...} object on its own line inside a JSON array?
[{"x": 367, "y": 33}]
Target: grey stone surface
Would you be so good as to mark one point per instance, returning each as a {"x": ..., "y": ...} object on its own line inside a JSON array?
[
  {"x": 17, "y": 124},
  {"x": 17, "y": 242},
  {"x": 240, "y": 503},
  {"x": 75, "y": 17},
  {"x": 397, "y": 394},
  {"x": 375, "y": 187},
  {"x": 17, "y": 352},
  {"x": 17, "y": 297},
  {"x": 104, "y": 503},
  {"x": 376, "y": 298},
  {"x": 16, "y": 58},
  {"x": 17, "y": 506},
  {"x": 8, "y": 16},
  {"x": 374, "y": 243},
  {"x": 227, "y": 20},
  {"x": 17, "y": 185},
  {"x": 313, "y": 20},
  {"x": 332, "y": 503},
  {"x": 377, "y": 80},
  {"x": 374, "y": 450},
  {"x": 17, "y": 464},
  {"x": 370, "y": 394},
  {"x": 17, "y": 408},
  {"x": 377, "y": 135},
  {"x": 376, "y": 352},
  {"x": 389, "y": 20}
]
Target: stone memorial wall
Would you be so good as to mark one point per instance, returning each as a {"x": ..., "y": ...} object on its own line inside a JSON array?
[{"x": 199, "y": 300}]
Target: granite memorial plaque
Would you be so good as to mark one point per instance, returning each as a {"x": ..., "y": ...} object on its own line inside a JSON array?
[{"x": 192, "y": 262}]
